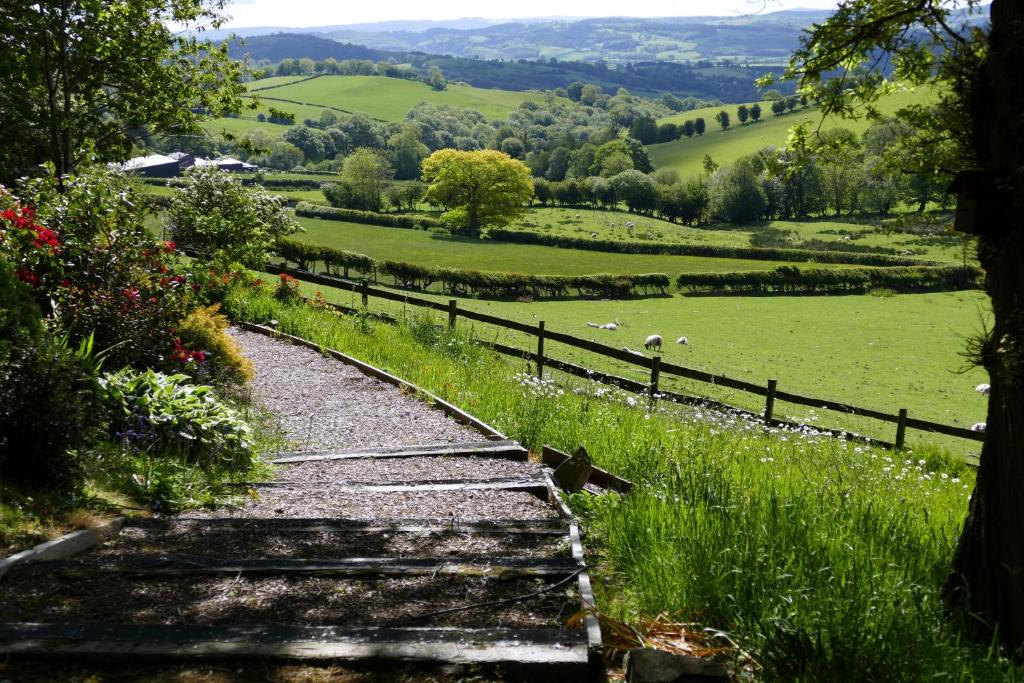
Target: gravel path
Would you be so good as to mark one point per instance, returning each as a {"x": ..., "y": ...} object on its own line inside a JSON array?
[{"x": 323, "y": 403}]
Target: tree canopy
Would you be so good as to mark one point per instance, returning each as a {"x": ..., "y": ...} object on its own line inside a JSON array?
[
  {"x": 82, "y": 79},
  {"x": 479, "y": 189}
]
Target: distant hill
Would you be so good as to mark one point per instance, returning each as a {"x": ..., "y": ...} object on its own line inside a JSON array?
[
  {"x": 753, "y": 38},
  {"x": 703, "y": 80}
]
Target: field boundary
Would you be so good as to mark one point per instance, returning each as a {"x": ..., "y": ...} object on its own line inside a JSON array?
[{"x": 654, "y": 365}]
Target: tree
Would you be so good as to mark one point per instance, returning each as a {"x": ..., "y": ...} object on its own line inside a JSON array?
[
  {"x": 644, "y": 129},
  {"x": 982, "y": 113},
  {"x": 408, "y": 152},
  {"x": 83, "y": 80},
  {"x": 574, "y": 91},
  {"x": 743, "y": 113},
  {"x": 479, "y": 189},
  {"x": 755, "y": 112},
  {"x": 366, "y": 173},
  {"x": 589, "y": 94},
  {"x": 779, "y": 107},
  {"x": 636, "y": 189},
  {"x": 688, "y": 129},
  {"x": 306, "y": 139},
  {"x": 736, "y": 195},
  {"x": 436, "y": 79},
  {"x": 699, "y": 126},
  {"x": 513, "y": 147},
  {"x": 214, "y": 213}
]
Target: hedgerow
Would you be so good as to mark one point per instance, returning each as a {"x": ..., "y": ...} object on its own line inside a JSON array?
[
  {"x": 711, "y": 250},
  {"x": 458, "y": 281},
  {"x": 794, "y": 280},
  {"x": 307, "y": 210}
]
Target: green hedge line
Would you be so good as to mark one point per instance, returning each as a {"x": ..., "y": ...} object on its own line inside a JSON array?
[
  {"x": 714, "y": 251},
  {"x": 793, "y": 280},
  {"x": 329, "y": 213},
  {"x": 461, "y": 282}
]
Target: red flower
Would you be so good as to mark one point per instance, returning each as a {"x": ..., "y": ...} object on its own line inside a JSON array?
[
  {"x": 169, "y": 246},
  {"x": 28, "y": 276}
]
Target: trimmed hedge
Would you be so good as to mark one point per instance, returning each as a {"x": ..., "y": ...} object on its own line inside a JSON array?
[
  {"x": 793, "y": 280},
  {"x": 714, "y": 251},
  {"x": 329, "y": 213},
  {"x": 462, "y": 282}
]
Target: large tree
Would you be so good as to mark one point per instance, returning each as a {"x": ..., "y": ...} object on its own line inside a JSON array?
[
  {"x": 479, "y": 189},
  {"x": 83, "y": 79},
  {"x": 982, "y": 113}
]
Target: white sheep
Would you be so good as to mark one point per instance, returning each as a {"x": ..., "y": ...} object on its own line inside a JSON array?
[
  {"x": 983, "y": 389},
  {"x": 630, "y": 225},
  {"x": 629, "y": 350},
  {"x": 683, "y": 340},
  {"x": 593, "y": 325},
  {"x": 978, "y": 427},
  {"x": 593, "y": 234},
  {"x": 577, "y": 216},
  {"x": 653, "y": 342}
]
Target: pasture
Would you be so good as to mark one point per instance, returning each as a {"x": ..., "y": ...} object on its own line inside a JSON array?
[
  {"x": 885, "y": 353},
  {"x": 611, "y": 225},
  {"x": 385, "y": 99},
  {"x": 441, "y": 249},
  {"x": 686, "y": 155}
]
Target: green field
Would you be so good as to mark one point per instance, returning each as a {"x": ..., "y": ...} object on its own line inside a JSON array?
[
  {"x": 442, "y": 249},
  {"x": 885, "y": 353},
  {"x": 611, "y": 225},
  {"x": 687, "y": 154},
  {"x": 386, "y": 99}
]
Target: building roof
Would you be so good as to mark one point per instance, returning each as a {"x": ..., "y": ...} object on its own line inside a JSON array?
[{"x": 147, "y": 162}]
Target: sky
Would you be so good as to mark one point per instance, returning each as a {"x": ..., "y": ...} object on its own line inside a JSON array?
[{"x": 306, "y": 13}]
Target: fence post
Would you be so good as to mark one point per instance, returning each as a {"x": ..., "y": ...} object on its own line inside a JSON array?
[
  {"x": 655, "y": 375},
  {"x": 540, "y": 349},
  {"x": 364, "y": 290},
  {"x": 453, "y": 312},
  {"x": 769, "y": 400},
  {"x": 901, "y": 429}
]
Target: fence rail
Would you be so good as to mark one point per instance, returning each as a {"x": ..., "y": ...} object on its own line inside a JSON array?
[{"x": 654, "y": 364}]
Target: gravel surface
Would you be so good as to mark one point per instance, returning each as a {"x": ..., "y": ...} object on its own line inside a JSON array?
[
  {"x": 389, "y": 470},
  {"x": 27, "y": 595},
  {"x": 323, "y": 403},
  {"x": 225, "y": 543},
  {"x": 322, "y": 502}
]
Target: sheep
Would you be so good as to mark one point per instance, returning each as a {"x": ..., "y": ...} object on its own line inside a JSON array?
[
  {"x": 653, "y": 342},
  {"x": 577, "y": 216},
  {"x": 630, "y": 225},
  {"x": 983, "y": 389},
  {"x": 593, "y": 325},
  {"x": 629, "y": 350},
  {"x": 683, "y": 340},
  {"x": 978, "y": 427},
  {"x": 610, "y": 326},
  {"x": 593, "y": 234},
  {"x": 905, "y": 252}
]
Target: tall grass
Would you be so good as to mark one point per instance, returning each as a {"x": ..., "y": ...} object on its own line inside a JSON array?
[{"x": 821, "y": 559}]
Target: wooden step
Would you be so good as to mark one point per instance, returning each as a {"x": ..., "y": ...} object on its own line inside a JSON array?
[
  {"x": 556, "y": 650},
  {"x": 413, "y": 525},
  {"x": 536, "y": 485},
  {"x": 493, "y": 449},
  {"x": 160, "y": 566}
]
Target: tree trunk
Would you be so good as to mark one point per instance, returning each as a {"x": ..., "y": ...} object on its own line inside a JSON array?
[{"x": 988, "y": 568}]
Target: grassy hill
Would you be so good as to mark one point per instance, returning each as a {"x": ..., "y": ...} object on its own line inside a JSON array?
[
  {"x": 385, "y": 99},
  {"x": 686, "y": 154}
]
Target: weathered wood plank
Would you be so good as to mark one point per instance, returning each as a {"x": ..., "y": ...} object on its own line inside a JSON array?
[
  {"x": 156, "y": 566},
  {"x": 552, "y": 457},
  {"x": 414, "y": 525},
  {"x": 536, "y": 486},
  {"x": 514, "y": 647}
]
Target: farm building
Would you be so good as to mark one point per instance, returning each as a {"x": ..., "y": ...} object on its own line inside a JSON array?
[{"x": 153, "y": 166}]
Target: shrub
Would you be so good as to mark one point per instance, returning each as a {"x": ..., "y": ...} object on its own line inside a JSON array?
[
  {"x": 49, "y": 408},
  {"x": 287, "y": 289},
  {"x": 166, "y": 415},
  {"x": 113, "y": 279},
  {"x": 205, "y": 329},
  {"x": 19, "y": 315},
  {"x": 216, "y": 215}
]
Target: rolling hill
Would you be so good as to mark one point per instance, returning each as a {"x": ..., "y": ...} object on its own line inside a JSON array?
[{"x": 686, "y": 155}]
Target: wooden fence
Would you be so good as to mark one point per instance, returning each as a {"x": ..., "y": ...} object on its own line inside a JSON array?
[{"x": 654, "y": 365}]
